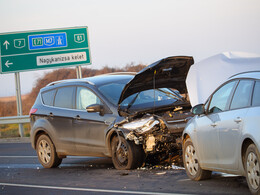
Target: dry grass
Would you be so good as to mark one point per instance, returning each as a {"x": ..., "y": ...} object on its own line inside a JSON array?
[
  {"x": 12, "y": 98},
  {"x": 12, "y": 130}
]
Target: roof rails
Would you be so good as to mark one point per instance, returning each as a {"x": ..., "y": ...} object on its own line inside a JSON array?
[
  {"x": 68, "y": 80},
  {"x": 119, "y": 73},
  {"x": 55, "y": 82},
  {"x": 85, "y": 79}
]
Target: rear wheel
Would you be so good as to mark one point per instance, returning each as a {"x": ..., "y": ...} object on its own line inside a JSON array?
[
  {"x": 47, "y": 153},
  {"x": 191, "y": 163},
  {"x": 252, "y": 169},
  {"x": 127, "y": 155}
]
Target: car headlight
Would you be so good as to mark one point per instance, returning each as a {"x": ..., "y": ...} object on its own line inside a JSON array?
[{"x": 142, "y": 125}]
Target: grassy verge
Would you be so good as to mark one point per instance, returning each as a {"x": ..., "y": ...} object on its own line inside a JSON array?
[{"x": 12, "y": 130}]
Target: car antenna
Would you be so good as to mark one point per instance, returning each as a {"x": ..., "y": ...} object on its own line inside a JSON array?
[{"x": 154, "y": 73}]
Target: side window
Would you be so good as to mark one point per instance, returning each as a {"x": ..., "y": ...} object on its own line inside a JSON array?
[
  {"x": 64, "y": 97},
  {"x": 48, "y": 96},
  {"x": 85, "y": 98},
  {"x": 242, "y": 94},
  {"x": 221, "y": 97},
  {"x": 256, "y": 95}
]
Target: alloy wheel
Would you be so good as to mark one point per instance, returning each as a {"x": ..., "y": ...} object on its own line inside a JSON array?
[
  {"x": 191, "y": 160},
  {"x": 44, "y": 151},
  {"x": 253, "y": 170},
  {"x": 122, "y": 154}
]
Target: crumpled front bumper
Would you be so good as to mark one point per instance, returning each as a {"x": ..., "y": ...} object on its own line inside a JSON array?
[{"x": 151, "y": 132}]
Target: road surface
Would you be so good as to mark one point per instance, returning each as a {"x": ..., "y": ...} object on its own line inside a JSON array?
[{"x": 21, "y": 173}]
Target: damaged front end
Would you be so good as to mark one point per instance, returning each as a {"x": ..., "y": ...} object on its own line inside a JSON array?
[
  {"x": 159, "y": 135},
  {"x": 155, "y": 113}
]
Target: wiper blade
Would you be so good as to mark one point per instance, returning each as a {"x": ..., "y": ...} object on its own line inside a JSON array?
[
  {"x": 171, "y": 95},
  {"x": 131, "y": 103}
]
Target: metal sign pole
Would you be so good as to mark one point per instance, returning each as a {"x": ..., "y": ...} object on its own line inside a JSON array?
[
  {"x": 78, "y": 72},
  {"x": 19, "y": 101}
]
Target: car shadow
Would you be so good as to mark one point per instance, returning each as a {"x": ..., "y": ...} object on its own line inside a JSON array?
[{"x": 86, "y": 162}]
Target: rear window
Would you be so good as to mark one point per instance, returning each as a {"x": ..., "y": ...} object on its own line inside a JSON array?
[
  {"x": 48, "y": 96},
  {"x": 64, "y": 97}
]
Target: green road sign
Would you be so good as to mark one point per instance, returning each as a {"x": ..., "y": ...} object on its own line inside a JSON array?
[{"x": 32, "y": 50}]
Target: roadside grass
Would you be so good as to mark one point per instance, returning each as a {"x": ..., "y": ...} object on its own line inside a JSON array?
[{"x": 12, "y": 130}]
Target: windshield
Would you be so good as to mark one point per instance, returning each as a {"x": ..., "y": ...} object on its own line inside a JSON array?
[
  {"x": 142, "y": 100},
  {"x": 151, "y": 98},
  {"x": 112, "y": 91}
]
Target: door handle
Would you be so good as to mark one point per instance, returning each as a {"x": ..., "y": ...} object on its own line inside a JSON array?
[
  {"x": 107, "y": 123},
  {"x": 238, "y": 120},
  {"x": 77, "y": 117},
  {"x": 214, "y": 124}
]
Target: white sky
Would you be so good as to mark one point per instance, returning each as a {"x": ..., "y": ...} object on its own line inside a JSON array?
[{"x": 139, "y": 31}]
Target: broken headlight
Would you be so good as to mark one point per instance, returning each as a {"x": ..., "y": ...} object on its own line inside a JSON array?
[{"x": 143, "y": 125}]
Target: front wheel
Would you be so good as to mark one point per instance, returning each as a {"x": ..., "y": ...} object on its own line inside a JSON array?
[
  {"x": 191, "y": 163},
  {"x": 252, "y": 169},
  {"x": 47, "y": 153},
  {"x": 127, "y": 155}
]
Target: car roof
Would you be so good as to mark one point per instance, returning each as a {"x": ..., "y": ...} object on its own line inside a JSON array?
[
  {"x": 108, "y": 78},
  {"x": 250, "y": 74},
  {"x": 99, "y": 80}
]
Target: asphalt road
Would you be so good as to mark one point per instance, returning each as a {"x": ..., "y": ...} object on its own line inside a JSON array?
[{"x": 21, "y": 173}]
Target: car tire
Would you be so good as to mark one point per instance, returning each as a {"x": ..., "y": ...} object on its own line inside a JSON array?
[
  {"x": 128, "y": 156},
  {"x": 47, "y": 153},
  {"x": 252, "y": 168},
  {"x": 191, "y": 163}
]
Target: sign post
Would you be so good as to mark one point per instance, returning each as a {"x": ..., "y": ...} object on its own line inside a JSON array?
[
  {"x": 19, "y": 101},
  {"x": 78, "y": 72},
  {"x": 44, "y": 49}
]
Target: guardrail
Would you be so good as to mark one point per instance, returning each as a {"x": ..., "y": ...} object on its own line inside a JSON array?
[{"x": 14, "y": 120}]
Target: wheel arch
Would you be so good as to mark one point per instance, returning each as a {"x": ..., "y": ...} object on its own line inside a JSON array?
[
  {"x": 244, "y": 147},
  {"x": 37, "y": 134},
  {"x": 110, "y": 135},
  {"x": 41, "y": 126},
  {"x": 185, "y": 137}
]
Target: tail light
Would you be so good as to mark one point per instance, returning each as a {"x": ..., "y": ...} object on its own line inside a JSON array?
[{"x": 32, "y": 111}]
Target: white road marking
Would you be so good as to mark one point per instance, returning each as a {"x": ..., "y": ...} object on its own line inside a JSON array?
[
  {"x": 181, "y": 180},
  {"x": 37, "y": 157},
  {"x": 18, "y": 156},
  {"x": 85, "y": 189}
]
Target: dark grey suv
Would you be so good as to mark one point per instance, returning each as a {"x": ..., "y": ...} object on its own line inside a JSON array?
[{"x": 129, "y": 117}]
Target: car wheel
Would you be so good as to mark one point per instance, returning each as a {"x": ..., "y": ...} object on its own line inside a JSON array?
[
  {"x": 47, "y": 153},
  {"x": 252, "y": 169},
  {"x": 127, "y": 156},
  {"x": 191, "y": 163}
]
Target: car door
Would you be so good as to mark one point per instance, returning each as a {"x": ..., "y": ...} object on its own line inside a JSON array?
[
  {"x": 206, "y": 126},
  {"x": 230, "y": 125},
  {"x": 90, "y": 127},
  {"x": 61, "y": 116}
]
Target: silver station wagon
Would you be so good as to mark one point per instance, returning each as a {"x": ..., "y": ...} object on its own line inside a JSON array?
[{"x": 224, "y": 134}]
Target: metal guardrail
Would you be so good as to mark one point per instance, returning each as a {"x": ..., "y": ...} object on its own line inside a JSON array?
[{"x": 14, "y": 120}]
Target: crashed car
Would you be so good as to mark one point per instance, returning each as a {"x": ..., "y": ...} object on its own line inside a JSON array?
[{"x": 130, "y": 117}]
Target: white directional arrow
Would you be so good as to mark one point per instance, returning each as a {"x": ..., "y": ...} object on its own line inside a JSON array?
[
  {"x": 8, "y": 63},
  {"x": 6, "y": 43}
]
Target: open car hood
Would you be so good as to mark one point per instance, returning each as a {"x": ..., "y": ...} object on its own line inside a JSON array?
[
  {"x": 169, "y": 72},
  {"x": 205, "y": 76}
]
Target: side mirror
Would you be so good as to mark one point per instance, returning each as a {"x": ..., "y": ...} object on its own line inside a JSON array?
[
  {"x": 96, "y": 108},
  {"x": 198, "y": 109}
]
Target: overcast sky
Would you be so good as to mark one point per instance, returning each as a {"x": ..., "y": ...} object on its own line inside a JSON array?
[{"x": 139, "y": 31}]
